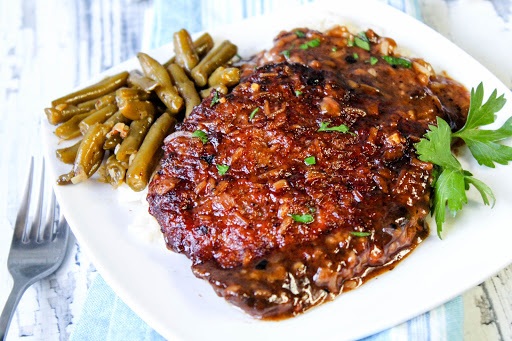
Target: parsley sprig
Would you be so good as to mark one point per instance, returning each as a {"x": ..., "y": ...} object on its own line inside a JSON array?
[
  {"x": 362, "y": 41},
  {"x": 482, "y": 143},
  {"x": 302, "y": 218},
  {"x": 311, "y": 43},
  {"x": 300, "y": 34},
  {"x": 373, "y": 60},
  {"x": 451, "y": 181},
  {"x": 222, "y": 169},
  {"x": 215, "y": 99},
  {"x": 201, "y": 135},
  {"x": 310, "y": 161},
  {"x": 254, "y": 112},
  {"x": 324, "y": 126},
  {"x": 397, "y": 61},
  {"x": 360, "y": 234},
  {"x": 286, "y": 53}
]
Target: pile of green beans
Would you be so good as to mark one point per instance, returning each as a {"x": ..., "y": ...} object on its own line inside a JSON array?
[{"x": 123, "y": 120}]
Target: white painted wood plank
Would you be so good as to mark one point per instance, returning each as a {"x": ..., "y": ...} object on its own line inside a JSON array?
[
  {"x": 46, "y": 50},
  {"x": 499, "y": 292},
  {"x": 42, "y": 58},
  {"x": 479, "y": 319}
]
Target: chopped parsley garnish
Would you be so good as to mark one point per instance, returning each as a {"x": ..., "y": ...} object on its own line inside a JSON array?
[
  {"x": 299, "y": 34},
  {"x": 215, "y": 99},
  {"x": 200, "y": 135},
  {"x": 341, "y": 128},
  {"x": 304, "y": 218},
  {"x": 362, "y": 41},
  {"x": 251, "y": 116},
  {"x": 286, "y": 53},
  {"x": 356, "y": 56},
  {"x": 310, "y": 160},
  {"x": 360, "y": 234},
  {"x": 334, "y": 49},
  {"x": 314, "y": 43},
  {"x": 311, "y": 43},
  {"x": 451, "y": 180},
  {"x": 222, "y": 169},
  {"x": 397, "y": 61},
  {"x": 298, "y": 93},
  {"x": 373, "y": 60}
]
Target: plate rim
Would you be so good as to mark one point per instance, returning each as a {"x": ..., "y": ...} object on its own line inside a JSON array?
[{"x": 124, "y": 292}]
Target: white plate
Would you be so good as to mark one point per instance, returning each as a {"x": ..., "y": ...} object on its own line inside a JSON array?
[{"x": 159, "y": 286}]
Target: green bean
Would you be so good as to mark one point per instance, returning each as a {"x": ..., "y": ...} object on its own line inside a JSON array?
[
  {"x": 124, "y": 95},
  {"x": 56, "y": 116},
  {"x": 99, "y": 116},
  {"x": 71, "y": 129},
  {"x": 73, "y": 109},
  {"x": 171, "y": 99},
  {"x": 185, "y": 87},
  {"x": 94, "y": 91},
  {"x": 112, "y": 141},
  {"x": 90, "y": 104},
  {"x": 202, "y": 45},
  {"x": 215, "y": 58},
  {"x": 140, "y": 169},
  {"x": 165, "y": 90},
  {"x": 115, "y": 171},
  {"x": 90, "y": 153},
  {"x": 65, "y": 179},
  {"x": 102, "y": 172},
  {"x": 138, "y": 80},
  {"x": 220, "y": 88},
  {"x": 136, "y": 110},
  {"x": 106, "y": 100},
  {"x": 68, "y": 154},
  {"x": 226, "y": 76},
  {"x": 133, "y": 103},
  {"x": 64, "y": 112},
  {"x": 186, "y": 56},
  {"x": 96, "y": 103},
  {"x": 116, "y": 118},
  {"x": 132, "y": 142}
]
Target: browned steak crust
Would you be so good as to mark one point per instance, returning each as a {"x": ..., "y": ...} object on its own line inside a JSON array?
[{"x": 239, "y": 228}]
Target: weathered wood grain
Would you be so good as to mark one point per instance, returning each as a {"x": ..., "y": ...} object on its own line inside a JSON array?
[
  {"x": 479, "y": 318},
  {"x": 47, "y": 48}
]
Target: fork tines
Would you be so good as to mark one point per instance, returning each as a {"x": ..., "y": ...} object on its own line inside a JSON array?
[{"x": 36, "y": 231}]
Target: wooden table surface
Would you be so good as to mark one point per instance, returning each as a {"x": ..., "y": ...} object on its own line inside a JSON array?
[{"x": 48, "y": 47}]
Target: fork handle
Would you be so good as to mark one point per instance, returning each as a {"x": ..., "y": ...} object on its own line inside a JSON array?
[{"x": 17, "y": 291}]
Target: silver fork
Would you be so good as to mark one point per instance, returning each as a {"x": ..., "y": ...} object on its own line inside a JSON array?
[{"x": 35, "y": 252}]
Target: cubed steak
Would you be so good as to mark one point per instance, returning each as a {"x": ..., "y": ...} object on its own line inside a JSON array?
[{"x": 303, "y": 181}]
